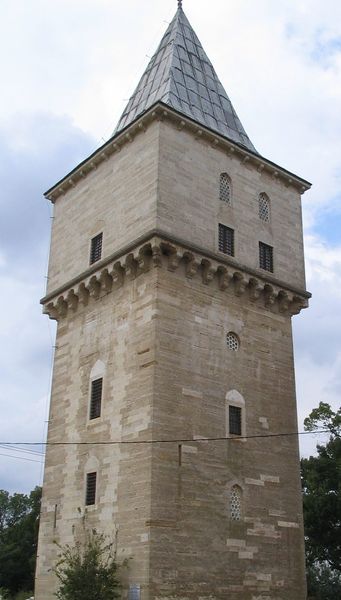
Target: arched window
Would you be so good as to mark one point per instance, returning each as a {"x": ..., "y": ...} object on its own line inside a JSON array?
[
  {"x": 91, "y": 480},
  {"x": 96, "y": 390},
  {"x": 264, "y": 207},
  {"x": 90, "y": 489},
  {"x": 232, "y": 341},
  {"x": 235, "y": 414},
  {"x": 236, "y": 495},
  {"x": 225, "y": 190}
]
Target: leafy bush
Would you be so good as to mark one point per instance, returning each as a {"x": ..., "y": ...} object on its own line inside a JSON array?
[{"x": 87, "y": 571}]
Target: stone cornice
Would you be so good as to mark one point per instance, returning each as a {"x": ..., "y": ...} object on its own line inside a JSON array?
[
  {"x": 161, "y": 112},
  {"x": 157, "y": 249}
]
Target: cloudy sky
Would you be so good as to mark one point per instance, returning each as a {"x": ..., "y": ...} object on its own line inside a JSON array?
[{"x": 67, "y": 70}]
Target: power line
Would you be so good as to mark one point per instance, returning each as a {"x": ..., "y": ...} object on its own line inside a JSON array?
[
  {"x": 21, "y": 458},
  {"x": 34, "y": 452},
  {"x": 167, "y": 441}
]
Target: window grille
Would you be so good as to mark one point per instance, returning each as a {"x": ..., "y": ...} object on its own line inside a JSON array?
[
  {"x": 96, "y": 248},
  {"x": 232, "y": 341},
  {"x": 96, "y": 398},
  {"x": 225, "y": 191},
  {"x": 236, "y": 503},
  {"x": 266, "y": 257},
  {"x": 226, "y": 240},
  {"x": 264, "y": 208},
  {"x": 235, "y": 420},
  {"x": 90, "y": 494}
]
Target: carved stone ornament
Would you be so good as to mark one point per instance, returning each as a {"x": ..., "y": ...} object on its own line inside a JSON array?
[{"x": 175, "y": 258}]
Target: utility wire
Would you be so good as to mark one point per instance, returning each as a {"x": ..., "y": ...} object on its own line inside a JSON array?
[
  {"x": 13, "y": 448},
  {"x": 21, "y": 458},
  {"x": 167, "y": 441}
]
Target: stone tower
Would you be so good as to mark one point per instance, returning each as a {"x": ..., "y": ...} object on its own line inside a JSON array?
[{"x": 176, "y": 265}]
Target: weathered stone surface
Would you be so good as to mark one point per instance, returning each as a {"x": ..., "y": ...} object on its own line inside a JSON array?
[
  {"x": 189, "y": 205},
  {"x": 154, "y": 319}
]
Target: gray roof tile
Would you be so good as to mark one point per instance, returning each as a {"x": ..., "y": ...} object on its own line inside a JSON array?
[{"x": 181, "y": 75}]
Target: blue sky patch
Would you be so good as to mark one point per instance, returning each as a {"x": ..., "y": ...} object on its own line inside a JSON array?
[
  {"x": 328, "y": 225},
  {"x": 324, "y": 48}
]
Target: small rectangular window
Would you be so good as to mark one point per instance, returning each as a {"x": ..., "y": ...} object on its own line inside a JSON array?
[
  {"x": 226, "y": 240},
  {"x": 180, "y": 454},
  {"x": 266, "y": 257},
  {"x": 96, "y": 398},
  {"x": 96, "y": 248},
  {"x": 235, "y": 420},
  {"x": 90, "y": 494}
]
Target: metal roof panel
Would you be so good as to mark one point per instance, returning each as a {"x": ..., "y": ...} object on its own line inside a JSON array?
[{"x": 180, "y": 72}]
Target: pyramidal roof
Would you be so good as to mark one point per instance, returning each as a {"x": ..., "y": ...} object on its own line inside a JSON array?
[{"x": 181, "y": 75}]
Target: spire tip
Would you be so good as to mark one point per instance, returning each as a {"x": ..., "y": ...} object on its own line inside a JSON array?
[{"x": 180, "y": 4}]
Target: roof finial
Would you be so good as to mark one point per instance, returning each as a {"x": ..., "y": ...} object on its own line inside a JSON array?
[{"x": 180, "y": 4}]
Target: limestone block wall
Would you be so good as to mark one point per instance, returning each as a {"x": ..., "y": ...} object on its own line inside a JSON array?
[
  {"x": 118, "y": 198},
  {"x": 197, "y": 551},
  {"x": 156, "y": 330},
  {"x": 189, "y": 205},
  {"x": 159, "y": 340},
  {"x": 113, "y": 336}
]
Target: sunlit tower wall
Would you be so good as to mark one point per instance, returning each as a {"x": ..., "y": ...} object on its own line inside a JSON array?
[{"x": 176, "y": 266}]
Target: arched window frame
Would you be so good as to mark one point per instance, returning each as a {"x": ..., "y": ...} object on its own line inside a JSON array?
[
  {"x": 91, "y": 468},
  {"x": 232, "y": 341},
  {"x": 235, "y": 400},
  {"x": 225, "y": 189},
  {"x": 264, "y": 207},
  {"x": 236, "y": 503},
  {"x": 97, "y": 372}
]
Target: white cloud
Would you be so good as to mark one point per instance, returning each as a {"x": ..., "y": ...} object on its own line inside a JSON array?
[
  {"x": 34, "y": 149},
  {"x": 317, "y": 335},
  {"x": 84, "y": 60},
  {"x": 74, "y": 63},
  {"x": 26, "y": 356},
  {"x": 323, "y": 264}
]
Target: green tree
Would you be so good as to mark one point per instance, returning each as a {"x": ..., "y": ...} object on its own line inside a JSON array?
[
  {"x": 323, "y": 582},
  {"x": 19, "y": 523},
  {"x": 87, "y": 571},
  {"x": 321, "y": 481},
  {"x": 325, "y": 417}
]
